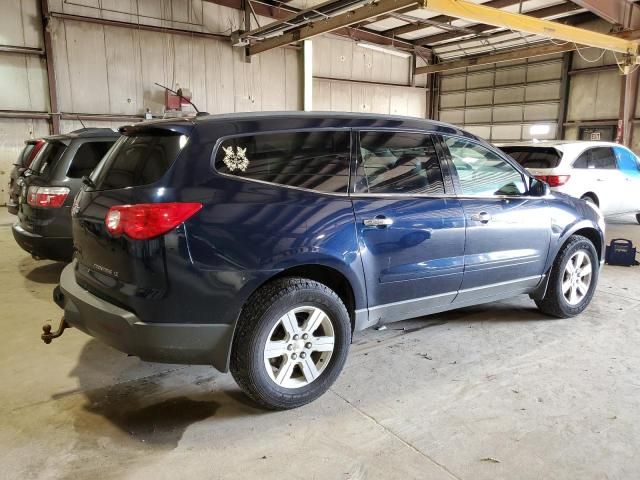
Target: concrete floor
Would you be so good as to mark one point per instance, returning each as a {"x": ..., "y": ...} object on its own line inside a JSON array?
[{"x": 498, "y": 391}]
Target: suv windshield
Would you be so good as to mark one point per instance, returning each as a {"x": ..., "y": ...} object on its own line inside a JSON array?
[
  {"x": 138, "y": 160},
  {"x": 47, "y": 157},
  {"x": 534, "y": 157}
]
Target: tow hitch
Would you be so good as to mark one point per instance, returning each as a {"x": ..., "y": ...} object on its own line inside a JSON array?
[{"x": 47, "y": 336}]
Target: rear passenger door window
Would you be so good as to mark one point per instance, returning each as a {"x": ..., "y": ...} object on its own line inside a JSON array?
[
  {"x": 482, "y": 172},
  {"x": 602, "y": 158},
  {"x": 314, "y": 160},
  {"x": 398, "y": 163}
]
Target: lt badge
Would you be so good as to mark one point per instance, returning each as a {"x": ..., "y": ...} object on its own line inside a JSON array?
[{"x": 237, "y": 160}]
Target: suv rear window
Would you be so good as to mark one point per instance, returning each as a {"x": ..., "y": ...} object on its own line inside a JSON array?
[
  {"x": 316, "y": 160},
  {"x": 534, "y": 157},
  {"x": 87, "y": 158},
  {"x": 47, "y": 157},
  {"x": 138, "y": 160}
]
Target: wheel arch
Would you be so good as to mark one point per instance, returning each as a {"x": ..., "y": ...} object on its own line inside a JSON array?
[
  {"x": 329, "y": 276},
  {"x": 592, "y": 196},
  {"x": 589, "y": 232}
]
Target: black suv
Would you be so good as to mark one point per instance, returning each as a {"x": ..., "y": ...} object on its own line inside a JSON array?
[
  {"x": 48, "y": 186},
  {"x": 27, "y": 154},
  {"x": 258, "y": 243}
]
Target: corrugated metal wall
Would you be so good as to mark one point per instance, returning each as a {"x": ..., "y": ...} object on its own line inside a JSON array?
[
  {"x": 355, "y": 79},
  {"x": 501, "y": 102},
  {"x": 23, "y": 82}
]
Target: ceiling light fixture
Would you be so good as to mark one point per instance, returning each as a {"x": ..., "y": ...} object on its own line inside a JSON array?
[{"x": 380, "y": 48}]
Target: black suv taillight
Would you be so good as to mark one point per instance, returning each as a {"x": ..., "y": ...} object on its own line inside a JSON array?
[
  {"x": 47, "y": 197},
  {"x": 148, "y": 220}
]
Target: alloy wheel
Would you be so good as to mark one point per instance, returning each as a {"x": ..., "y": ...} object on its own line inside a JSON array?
[
  {"x": 299, "y": 347},
  {"x": 577, "y": 276}
]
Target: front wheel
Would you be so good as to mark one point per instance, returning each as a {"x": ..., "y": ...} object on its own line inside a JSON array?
[
  {"x": 638, "y": 217},
  {"x": 574, "y": 276},
  {"x": 291, "y": 343}
]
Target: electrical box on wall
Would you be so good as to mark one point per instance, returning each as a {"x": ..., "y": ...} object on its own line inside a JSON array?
[{"x": 175, "y": 102}]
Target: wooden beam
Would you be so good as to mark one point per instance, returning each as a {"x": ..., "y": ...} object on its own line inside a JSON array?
[
  {"x": 497, "y": 58},
  {"x": 330, "y": 24}
]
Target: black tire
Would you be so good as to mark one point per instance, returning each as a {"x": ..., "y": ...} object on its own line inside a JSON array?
[
  {"x": 638, "y": 217},
  {"x": 554, "y": 303},
  {"x": 261, "y": 313}
]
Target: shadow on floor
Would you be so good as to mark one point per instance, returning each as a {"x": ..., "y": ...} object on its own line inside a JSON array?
[
  {"x": 156, "y": 407},
  {"x": 41, "y": 271}
]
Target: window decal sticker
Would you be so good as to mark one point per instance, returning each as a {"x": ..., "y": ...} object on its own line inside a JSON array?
[{"x": 237, "y": 160}]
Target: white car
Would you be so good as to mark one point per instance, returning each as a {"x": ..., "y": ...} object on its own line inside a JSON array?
[{"x": 603, "y": 173}]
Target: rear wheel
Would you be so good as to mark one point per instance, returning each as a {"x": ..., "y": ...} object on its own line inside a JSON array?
[
  {"x": 291, "y": 343},
  {"x": 573, "y": 279},
  {"x": 638, "y": 217}
]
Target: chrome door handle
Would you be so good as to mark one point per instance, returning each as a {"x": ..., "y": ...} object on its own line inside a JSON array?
[
  {"x": 482, "y": 217},
  {"x": 378, "y": 222}
]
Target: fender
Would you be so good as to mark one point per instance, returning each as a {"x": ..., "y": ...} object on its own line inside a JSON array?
[{"x": 568, "y": 231}]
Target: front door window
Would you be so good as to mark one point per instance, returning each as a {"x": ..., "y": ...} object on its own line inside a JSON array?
[{"x": 482, "y": 172}]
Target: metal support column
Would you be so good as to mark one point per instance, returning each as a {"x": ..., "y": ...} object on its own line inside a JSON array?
[
  {"x": 51, "y": 74},
  {"x": 567, "y": 60}
]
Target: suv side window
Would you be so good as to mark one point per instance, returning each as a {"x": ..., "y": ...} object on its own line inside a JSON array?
[
  {"x": 481, "y": 172},
  {"x": 582, "y": 161},
  {"x": 398, "y": 163},
  {"x": 87, "y": 158},
  {"x": 602, "y": 158},
  {"x": 315, "y": 160}
]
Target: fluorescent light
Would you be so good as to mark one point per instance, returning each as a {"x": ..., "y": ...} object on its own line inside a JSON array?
[
  {"x": 539, "y": 129},
  {"x": 380, "y": 48}
]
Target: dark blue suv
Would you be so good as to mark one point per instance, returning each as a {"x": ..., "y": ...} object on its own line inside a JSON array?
[{"x": 258, "y": 243}]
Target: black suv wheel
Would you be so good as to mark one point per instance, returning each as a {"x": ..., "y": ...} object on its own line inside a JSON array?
[
  {"x": 291, "y": 343},
  {"x": 574, "y": 276}
]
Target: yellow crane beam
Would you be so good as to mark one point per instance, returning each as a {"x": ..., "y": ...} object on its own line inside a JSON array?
[
  {"x": 460, "y": 9},
  {"x": 524, "y": 23}
]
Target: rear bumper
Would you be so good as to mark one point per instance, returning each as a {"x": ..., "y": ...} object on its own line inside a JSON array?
[
  {"x": 195, "y": 344},
  {"x": 53, "y": 248}
]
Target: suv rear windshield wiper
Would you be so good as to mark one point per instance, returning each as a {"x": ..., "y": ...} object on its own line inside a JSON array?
[{"x": 88, "y": 182}]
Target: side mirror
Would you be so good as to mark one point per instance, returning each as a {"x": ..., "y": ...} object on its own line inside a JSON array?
[{"x": 538, "y": 188}]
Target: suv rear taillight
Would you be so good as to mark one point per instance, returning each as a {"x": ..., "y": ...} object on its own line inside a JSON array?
[
  {"x": 554, "y": 180},
  {"x": 148, "y": 220},
  {"x": 47, "y": 197}
]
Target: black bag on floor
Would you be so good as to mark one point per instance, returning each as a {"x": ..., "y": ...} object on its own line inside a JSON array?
[{"x": 620, "y": 252}]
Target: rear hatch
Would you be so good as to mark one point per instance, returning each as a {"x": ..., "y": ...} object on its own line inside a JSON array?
[
  {"x": 111, "y": 264},
  {"x": 35, "y": 211}
]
